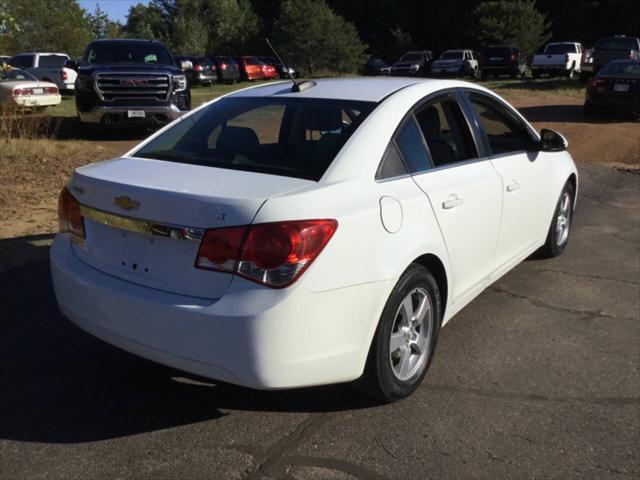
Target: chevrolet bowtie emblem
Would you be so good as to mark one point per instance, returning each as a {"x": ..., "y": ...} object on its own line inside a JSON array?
[{"x": 126, "y": 203}]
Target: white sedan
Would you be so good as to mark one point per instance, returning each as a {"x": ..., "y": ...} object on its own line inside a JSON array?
[
  {"x": 283, "y": 237},
  {"x": 20, "y": 89}
]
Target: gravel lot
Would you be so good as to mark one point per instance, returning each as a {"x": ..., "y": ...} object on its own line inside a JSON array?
[{"x": 538, "y": 378}]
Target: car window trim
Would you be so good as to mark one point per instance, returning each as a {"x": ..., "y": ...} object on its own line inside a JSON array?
[{"x": 455, "y": 92}]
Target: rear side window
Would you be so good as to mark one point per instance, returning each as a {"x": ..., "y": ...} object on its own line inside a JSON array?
[
  {"x": 293, "y": 137},
  {"x": 504, "y": 131},
  {"x": 51, "y": 61},
  {"x": 446, "y": 132},
  {"x": 391, "y": 165}
]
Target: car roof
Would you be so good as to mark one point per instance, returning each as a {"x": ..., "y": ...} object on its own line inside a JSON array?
[{"x": 357, "y": 88}]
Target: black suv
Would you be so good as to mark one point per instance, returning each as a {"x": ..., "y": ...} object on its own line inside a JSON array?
[
  {"x": 199, "y": 70},
  {"x": 415, "y": 63},
  {"x": 227, "y": 68},
  {"x": 129, "y": 81},
  {"x": 502, "y": 61}
]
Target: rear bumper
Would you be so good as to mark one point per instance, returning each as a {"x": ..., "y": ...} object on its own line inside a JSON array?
[
  {"x": 621, "y": 103},
  {"x": 205, "y": 78},
  {"x": 34, "y": 101},
  {"x": 119, "y": 115},
  {"x": 252, "y": 336}
]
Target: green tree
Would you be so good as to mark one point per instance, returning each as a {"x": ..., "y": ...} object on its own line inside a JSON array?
[
  {"x": 190, "y": 33},
  {"x": 99, "y": 22},
  {"x": 510, "y": 22},
  {"x": 312, "y": 35},
  {"x": 49, "y": 25},
  {"x": 8, "y": 26},
  {"x": 150, "y": 22}
]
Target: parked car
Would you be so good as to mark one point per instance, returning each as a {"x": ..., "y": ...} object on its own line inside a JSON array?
[
  {"x": 586, "y": 65},
  {"x": 128, "y": 81},
  {"x": 376, "y": 66},
  {"x": 283, "y": 70},
  {"x": 250, "y": 68},
  {"x": 560, "y": 58},
  {"x": 414, "y": 63},
  {"x": 615, "y": 88},
  {"x": 501, "y": 60},
  {"x": 227, "y": 69},
  {"x": 268, "y": 71},
  {"x": 48, "y": 67},
  {"x": 201, "y": 72},
  {"x": 232, "y": 245},
  {"x": 19, "y": 89},
  {"x": 618, "y": 47},
  {"x": 456, "y": 63}
]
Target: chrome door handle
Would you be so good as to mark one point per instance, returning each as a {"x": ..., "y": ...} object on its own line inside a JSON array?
[
  {"x": 513, "y": 186},
  {"x": 453, "y": 202}
]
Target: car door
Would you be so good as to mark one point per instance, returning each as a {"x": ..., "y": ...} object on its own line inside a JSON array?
[
  {"x": 525, "y": 181},
  {"x": 465, "y": 192}
]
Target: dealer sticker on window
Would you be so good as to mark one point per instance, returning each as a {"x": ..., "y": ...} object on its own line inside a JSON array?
[{"x": 135, "y": 113}]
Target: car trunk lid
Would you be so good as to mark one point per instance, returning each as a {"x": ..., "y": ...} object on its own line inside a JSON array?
[{"x": 144, "y": 218}]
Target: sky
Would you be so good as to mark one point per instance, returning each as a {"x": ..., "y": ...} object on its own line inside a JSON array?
[{"x": 116, "y": 9}]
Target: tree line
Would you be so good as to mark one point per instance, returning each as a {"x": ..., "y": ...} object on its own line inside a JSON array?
[{"x": 317, "y": 35}]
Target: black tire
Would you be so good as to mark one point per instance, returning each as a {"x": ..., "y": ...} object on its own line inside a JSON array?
[
  {"x": 380, "y": 380},
  {"x": 555, "y": 243},
  {"x": 588, "y": 110}
]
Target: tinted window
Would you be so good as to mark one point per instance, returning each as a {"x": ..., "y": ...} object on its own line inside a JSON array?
[
  {"x": 51, "y": 61},
  {"x": 496, "y": 52},
  {"x": 451, "y": 56},
  {"x": 22, "y": 61},
  {"x": 391, "y": 165},
  {"x": 617, "y": 44},
  {"x": 411, "y": 57},
  {"x": 505, "y": 132},
  {"x": 559, "y": 48},
  {"x": 621, "y": 68},
  {"x": 16, "y": 74},
  {"x": 446, "y": 132},
  {"x": 128, "y": 52},
  {"x": 411, "y": 145},
  {"x": 282, "y": 136}
]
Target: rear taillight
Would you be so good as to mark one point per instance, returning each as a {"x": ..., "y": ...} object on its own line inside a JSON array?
[
  {"x": 198, "y": 68},
  {"x": 19, "y": 92},
  {"x": 271, "y": 254},
  {"x": 596, "y": 84},
  {"x": 513, "y": 57},
  {"x": 223, "y": 66},
  {"x": 51, "y": 90},
  {"x": 63, "y": 74},
  {"x": 69, "y": 214}
]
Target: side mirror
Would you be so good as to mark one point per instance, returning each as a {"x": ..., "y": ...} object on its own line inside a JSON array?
[
  {"x": 186, "y": 65},
  {"x": 552, "y": 141},
  {"x": 72, "y": 64}
]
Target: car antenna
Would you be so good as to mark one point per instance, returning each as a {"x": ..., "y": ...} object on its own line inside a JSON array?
[{"x": 297, "y": 87}]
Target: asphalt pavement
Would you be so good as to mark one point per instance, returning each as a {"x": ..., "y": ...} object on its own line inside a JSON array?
[{"x": 539, "y": 377}]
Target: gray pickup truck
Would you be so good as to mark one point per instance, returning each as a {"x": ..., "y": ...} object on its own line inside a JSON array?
[{"x": 618, "y": 47}]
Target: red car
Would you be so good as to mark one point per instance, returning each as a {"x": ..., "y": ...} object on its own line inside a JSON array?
[
  {"x": 250, "y": 68},
  {"x": 269, "y": 71}
]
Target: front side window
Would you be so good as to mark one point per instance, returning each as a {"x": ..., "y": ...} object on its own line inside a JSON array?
[
  {"x": 280, "y": 136},
  {"x": 446, "y": 132},
  {"x": 505, "y": 132}
]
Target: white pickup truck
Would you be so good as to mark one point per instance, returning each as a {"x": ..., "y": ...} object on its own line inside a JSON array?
[{"x": 561, "y": 58}]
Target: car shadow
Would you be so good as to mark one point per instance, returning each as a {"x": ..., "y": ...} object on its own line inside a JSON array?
[{"x": 60, "y": 385}]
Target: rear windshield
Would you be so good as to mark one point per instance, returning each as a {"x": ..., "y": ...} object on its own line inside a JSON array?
[
  {"x": 15, "y": 74},
  {"x": 451, "y": 56},
  {"x": 617, "y": 44},
  {"x": 291, "y": 137},
  {"x": 496, "y": 52},
  {"x": 411, "y": 57},
  {"x": 204, "y": 61},
  {"x": 55, "y": 61},
  {"x": 622, "y": 68},
  {"x": 558, "y": 48},
  {"x": 110, "y": 53}
]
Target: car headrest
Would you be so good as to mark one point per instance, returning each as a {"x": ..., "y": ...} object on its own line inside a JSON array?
[
  {"x": 429, "y": 121},
  {"x": 322, "y": 118},
  {"x": 241, "y": 140}
]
